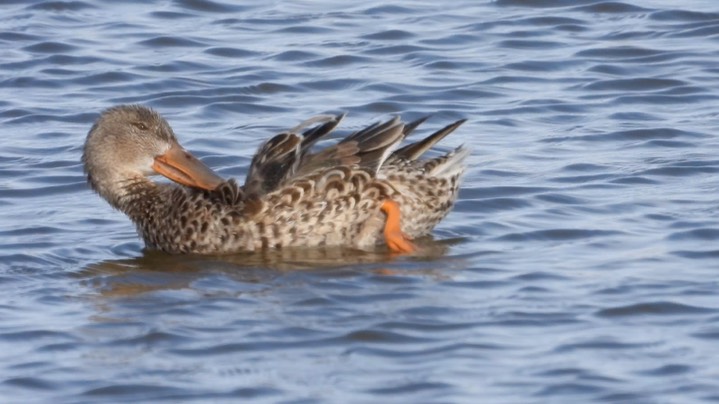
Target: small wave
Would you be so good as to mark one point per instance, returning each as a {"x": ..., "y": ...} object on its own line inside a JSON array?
[
  {"x": 170, "y": 41},
  {"x": 704, "y": 234},
  {"x": 390, "y": 35},
  {"x": 558, "y": 235},
  {"x": 61, "y": 6},
  {"x": 611, "y": 7},
  {"x": 683, "y": 16},
  {"x": 660, "y": 308},
  {"x": 209, "y": 6}
]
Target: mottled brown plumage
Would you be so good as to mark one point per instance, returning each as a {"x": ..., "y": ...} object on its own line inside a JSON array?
[{"x": 292, "y": 197}]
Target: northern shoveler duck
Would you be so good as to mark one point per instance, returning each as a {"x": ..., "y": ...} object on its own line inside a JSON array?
[{"x": 360, "y": 192}]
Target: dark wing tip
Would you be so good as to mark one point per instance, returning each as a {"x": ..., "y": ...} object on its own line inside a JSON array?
[
  {"x": 413, "y": 151},
  {"x": 410, "y": 127}
]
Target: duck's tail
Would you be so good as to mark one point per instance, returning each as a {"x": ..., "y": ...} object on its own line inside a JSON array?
[{"x": 449, "y": 165}]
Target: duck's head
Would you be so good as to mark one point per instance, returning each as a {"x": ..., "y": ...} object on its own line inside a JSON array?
[{"x": 130, "y": 142}]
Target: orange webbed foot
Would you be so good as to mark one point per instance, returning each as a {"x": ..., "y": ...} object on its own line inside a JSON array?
[{"x": 396, "y": 240}]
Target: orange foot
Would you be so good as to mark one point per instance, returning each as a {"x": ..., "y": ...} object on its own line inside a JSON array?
[{"x": 396, "y": 240}]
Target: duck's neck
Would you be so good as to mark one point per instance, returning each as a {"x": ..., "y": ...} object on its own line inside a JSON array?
[{"x": 138, "y": 198}]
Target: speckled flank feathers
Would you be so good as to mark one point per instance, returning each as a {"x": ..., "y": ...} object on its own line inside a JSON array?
[{"x": 292, "y": 197}]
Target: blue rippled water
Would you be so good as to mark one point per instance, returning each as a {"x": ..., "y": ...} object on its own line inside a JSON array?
[{"x": 579, "y": 265}]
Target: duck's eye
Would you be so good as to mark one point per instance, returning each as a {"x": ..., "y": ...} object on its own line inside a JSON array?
[{"x": 140, "y": 125}]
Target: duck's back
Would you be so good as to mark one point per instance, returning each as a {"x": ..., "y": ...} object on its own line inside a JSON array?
[{"x": 334, "y": 196}]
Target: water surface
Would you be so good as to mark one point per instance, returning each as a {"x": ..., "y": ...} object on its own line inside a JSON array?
[{"x": 579, "y": 265}]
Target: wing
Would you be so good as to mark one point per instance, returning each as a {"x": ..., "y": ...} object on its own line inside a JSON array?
[
  {"x": 366, "y": 149},
  {"x": 413, "y": 151},
  {"x": 287, "y": 156},
  {"x": 278, "y": 159}
]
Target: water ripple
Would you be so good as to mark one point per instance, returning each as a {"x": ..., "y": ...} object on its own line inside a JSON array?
[{"x": 653, "y": 308}]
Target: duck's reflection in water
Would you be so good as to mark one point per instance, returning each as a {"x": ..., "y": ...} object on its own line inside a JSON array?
[{"x": 154, "y": 271}]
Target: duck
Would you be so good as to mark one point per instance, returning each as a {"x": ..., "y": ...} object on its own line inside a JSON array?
[{"x": 361, "y": 192}]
